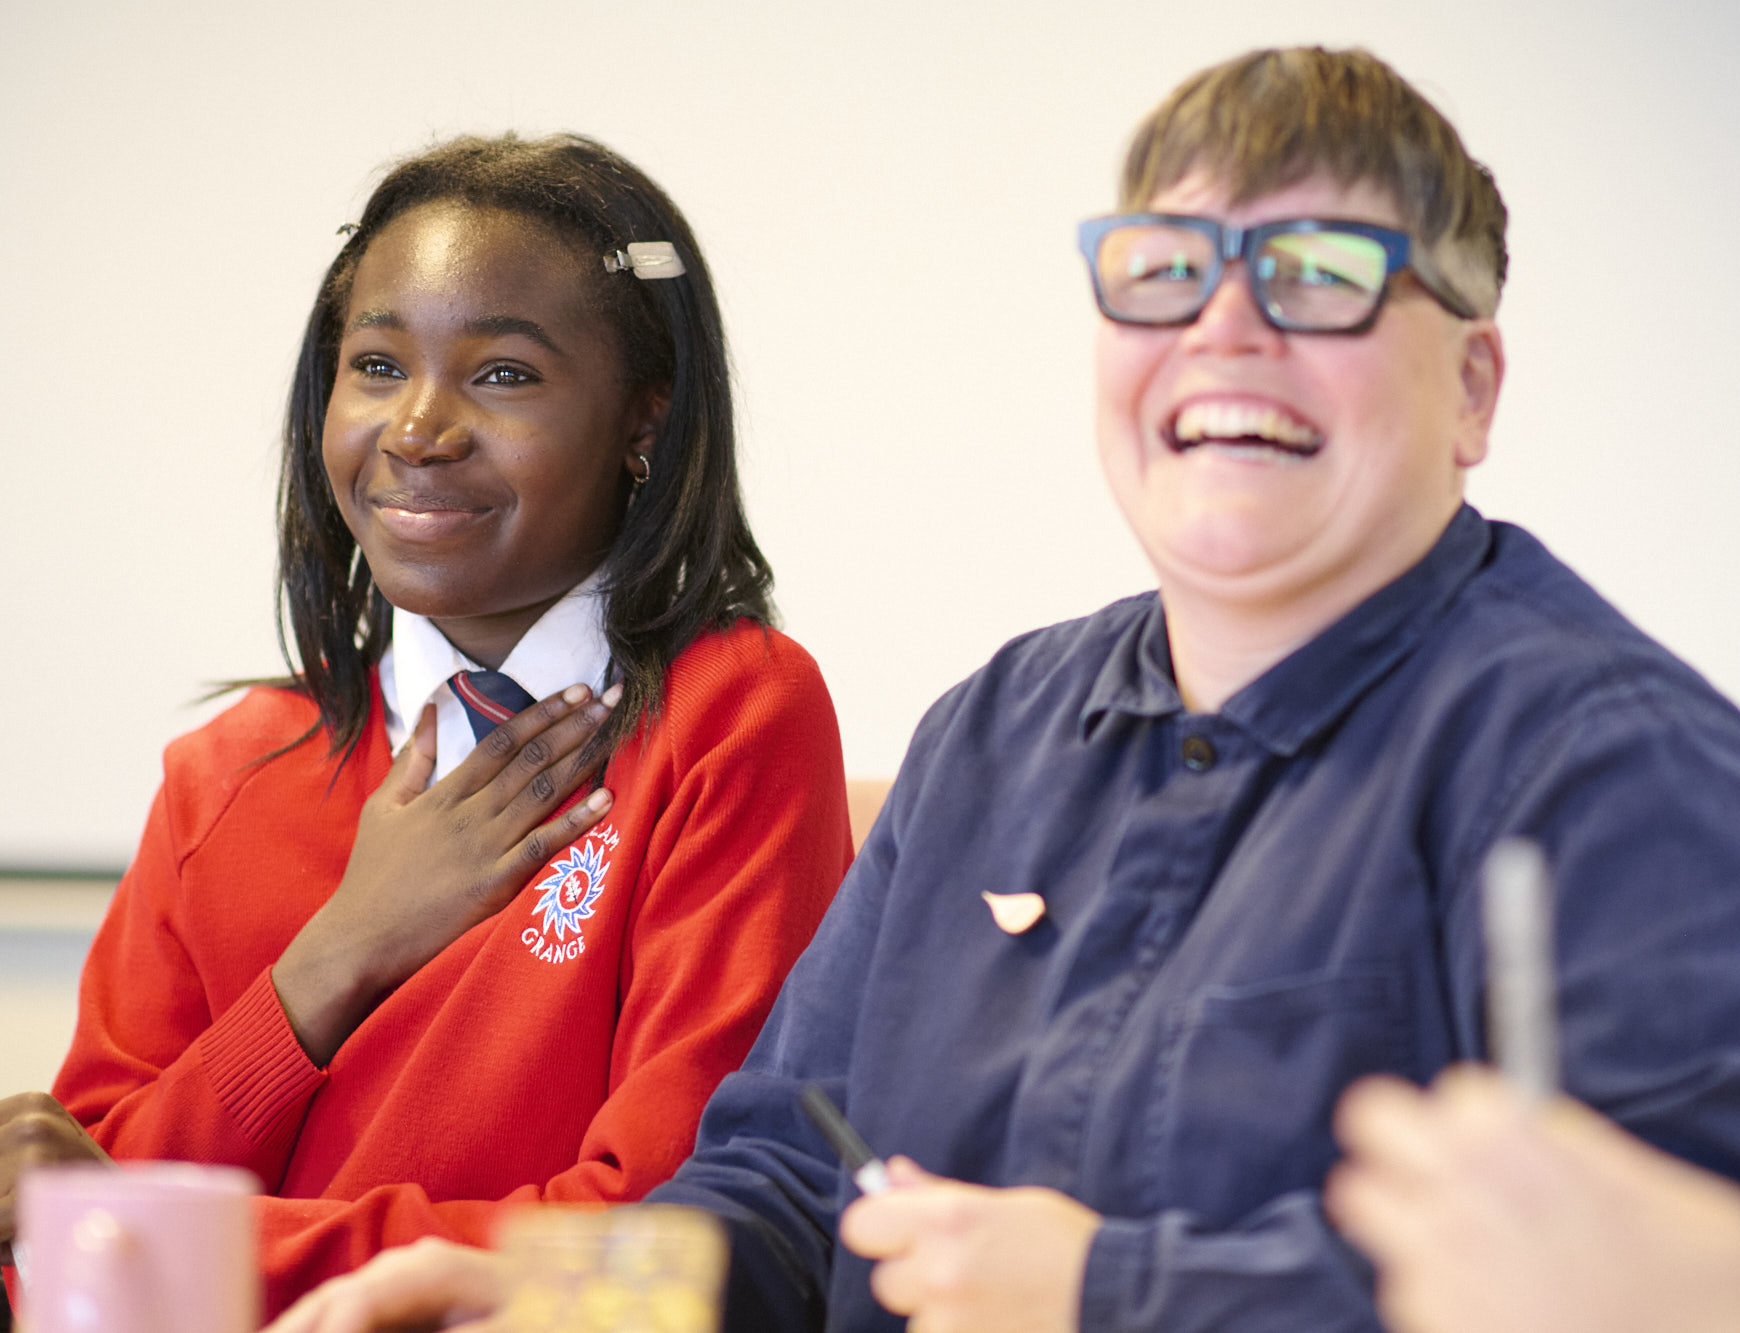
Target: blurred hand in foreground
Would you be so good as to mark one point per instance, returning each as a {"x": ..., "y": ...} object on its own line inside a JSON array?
[
  {"x": 35, "y": 1130},
  {"x": 431, "y": 1284},
  {"x": 1484, "y": 1215}
]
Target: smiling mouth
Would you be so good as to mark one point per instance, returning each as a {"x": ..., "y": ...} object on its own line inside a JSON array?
[
  {"x": 1246, "y": 427},
  {"x": 411, "y": 502},
  {"x": 420, "y": 518}
]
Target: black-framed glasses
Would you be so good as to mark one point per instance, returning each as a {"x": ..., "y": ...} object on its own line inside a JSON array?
[{"x": 1308, "y": 275}]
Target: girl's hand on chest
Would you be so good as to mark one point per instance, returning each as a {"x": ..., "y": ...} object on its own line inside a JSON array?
[{"x": 430, "y": 862}]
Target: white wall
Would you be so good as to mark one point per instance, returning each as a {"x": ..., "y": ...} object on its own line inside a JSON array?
[
  {"x": 888, "y": 193},
  {"x": 39, "y": 997},
  {"x": 45, "y": 931}
]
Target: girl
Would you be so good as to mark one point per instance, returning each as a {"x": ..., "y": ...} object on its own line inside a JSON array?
[{"x": 511, "y": 963}]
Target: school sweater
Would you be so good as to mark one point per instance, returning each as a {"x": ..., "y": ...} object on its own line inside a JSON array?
[{"x": 560, "y": 1051}]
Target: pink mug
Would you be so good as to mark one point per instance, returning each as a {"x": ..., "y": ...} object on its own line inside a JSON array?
[{"x": 143, "y": 1247}]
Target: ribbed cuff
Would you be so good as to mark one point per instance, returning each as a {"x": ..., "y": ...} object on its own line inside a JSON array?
[{"x": 258, "y": 1069}]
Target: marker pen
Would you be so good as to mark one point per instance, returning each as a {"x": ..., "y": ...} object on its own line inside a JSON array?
[{"x": 866, "y": 1169}]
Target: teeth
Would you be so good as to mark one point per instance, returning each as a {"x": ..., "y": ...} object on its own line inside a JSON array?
[{"x": 1242, "y": 421}]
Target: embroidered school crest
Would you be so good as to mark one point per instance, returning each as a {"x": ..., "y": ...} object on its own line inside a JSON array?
[{"x": 567, "y": 896}]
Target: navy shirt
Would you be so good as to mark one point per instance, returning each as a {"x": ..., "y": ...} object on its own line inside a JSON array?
[{"x": 1244, "y": 912}]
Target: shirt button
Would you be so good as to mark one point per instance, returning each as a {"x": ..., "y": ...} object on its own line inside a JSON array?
[{"x": 1198, "y": 754}]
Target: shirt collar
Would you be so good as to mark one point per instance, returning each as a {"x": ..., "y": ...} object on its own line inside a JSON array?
[
  {"x": 1136, "y": 677},
  {"x": 565, "y": 646},
  {"x": 1312, "y": 687}
]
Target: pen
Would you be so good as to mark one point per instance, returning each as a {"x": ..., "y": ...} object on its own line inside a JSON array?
[
  {"x": 1518, "y": 910},
  {"x": 865, "y": 1167}
]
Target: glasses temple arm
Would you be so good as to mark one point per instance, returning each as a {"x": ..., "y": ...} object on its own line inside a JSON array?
[{"x": 1432, "y": 278}]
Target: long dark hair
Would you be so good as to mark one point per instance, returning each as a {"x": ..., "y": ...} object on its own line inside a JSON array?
[{"x": 683, "y": 560}]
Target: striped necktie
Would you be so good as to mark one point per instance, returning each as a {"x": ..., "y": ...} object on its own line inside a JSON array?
[{"x": 489, "y": 699}]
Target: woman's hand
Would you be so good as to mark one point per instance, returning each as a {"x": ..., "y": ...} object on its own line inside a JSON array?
[
  {"x": 956, "y": 1257},
  {"x": 35, "y": 1131},
  {"x": 427, "y": 865},
  {"x": 431, "y": 1284}
]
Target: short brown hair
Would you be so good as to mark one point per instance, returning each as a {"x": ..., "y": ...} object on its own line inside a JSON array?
[{"x": 1269, "y": 119}]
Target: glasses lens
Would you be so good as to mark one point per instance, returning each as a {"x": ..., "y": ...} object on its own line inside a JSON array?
[
  {"x": 1153, "y": 274},
  {"x": 1321, "y": 279}
]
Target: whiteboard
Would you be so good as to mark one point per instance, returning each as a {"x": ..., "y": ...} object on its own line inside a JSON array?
[{"x": 887, "y": 193}]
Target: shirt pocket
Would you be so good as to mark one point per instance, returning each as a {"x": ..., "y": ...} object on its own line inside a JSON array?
[{"x": 1246, "y": 1098}]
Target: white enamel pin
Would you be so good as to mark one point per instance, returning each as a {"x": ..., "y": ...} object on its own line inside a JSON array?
[{"x": 1015, "y": 913}]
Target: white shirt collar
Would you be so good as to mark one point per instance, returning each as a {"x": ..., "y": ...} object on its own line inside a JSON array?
[{"x": 565, "y": 647}]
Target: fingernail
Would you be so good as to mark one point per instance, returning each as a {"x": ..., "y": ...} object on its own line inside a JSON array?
[
  {"x": 610, "y": 696},
  {"x": 576, "y": 694},
  {"x": 599, "y": 801}
]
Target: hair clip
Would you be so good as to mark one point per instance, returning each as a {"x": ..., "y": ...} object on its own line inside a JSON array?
[{"x": 646, "y": 260}]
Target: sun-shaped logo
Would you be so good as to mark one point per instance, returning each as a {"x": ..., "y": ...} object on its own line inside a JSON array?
[{"x": 571, "y": 888}]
